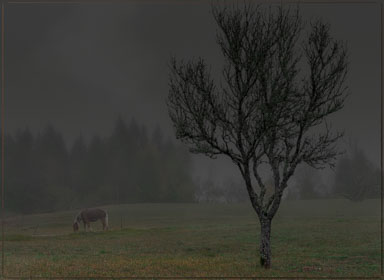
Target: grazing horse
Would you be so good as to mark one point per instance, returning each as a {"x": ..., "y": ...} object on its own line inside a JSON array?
[{"x": 90, "y": 215}]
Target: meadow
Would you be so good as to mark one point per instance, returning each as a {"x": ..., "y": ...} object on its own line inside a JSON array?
[{"x": 309, "y": 239}]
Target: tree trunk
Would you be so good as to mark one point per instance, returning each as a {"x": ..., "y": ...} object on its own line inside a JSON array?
[{"x": 265, "y": 243}]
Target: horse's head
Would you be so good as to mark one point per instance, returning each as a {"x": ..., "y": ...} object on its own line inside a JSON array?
[
  {"x": 76, "y": 223},
  {"x": 75, "y": 226}
]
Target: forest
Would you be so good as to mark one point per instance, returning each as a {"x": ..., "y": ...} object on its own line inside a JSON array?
[
  {"x": 132, "y": 165},
  {"x": 137, "y": 165}
]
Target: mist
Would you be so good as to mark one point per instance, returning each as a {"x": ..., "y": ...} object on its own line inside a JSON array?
[{"x": 79, "y": 68}]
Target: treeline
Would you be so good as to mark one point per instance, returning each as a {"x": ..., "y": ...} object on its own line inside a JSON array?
[
  {"x": 129, "y": 166},
  {"x": 355, "y": 177}
]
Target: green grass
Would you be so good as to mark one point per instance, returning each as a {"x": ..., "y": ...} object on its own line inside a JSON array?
[{"x": 309, "y": 238}]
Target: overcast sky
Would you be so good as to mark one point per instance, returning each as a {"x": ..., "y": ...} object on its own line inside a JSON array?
[{"x": 80, "y": 66}]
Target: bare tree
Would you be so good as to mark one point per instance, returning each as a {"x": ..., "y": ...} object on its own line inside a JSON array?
[{"x": 275, "y": 90}]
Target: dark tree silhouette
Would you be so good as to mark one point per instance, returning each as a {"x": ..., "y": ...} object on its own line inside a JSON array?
[
  {"x": 95, "y": 169},
  {"x": 23, "y": 192},
  {"x": 356, "y": 178},
  {"x": 78, "y": 166},
  {"x": 308, "y": 181},
  {"x": 274, "y": 91},
  {"x": 52, "y": 168}
]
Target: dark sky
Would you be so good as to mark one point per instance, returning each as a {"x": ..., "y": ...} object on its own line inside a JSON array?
[{"x": 80, "y": 66}]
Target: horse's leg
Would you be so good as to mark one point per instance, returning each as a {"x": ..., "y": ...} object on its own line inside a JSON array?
[{"x": 85, "y": 229}]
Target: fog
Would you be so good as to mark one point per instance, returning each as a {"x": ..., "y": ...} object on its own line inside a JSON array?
[{"x": 80, "y": 67}]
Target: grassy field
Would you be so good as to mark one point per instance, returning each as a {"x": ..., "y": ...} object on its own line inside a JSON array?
[{"x": 309, "y": 238}]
